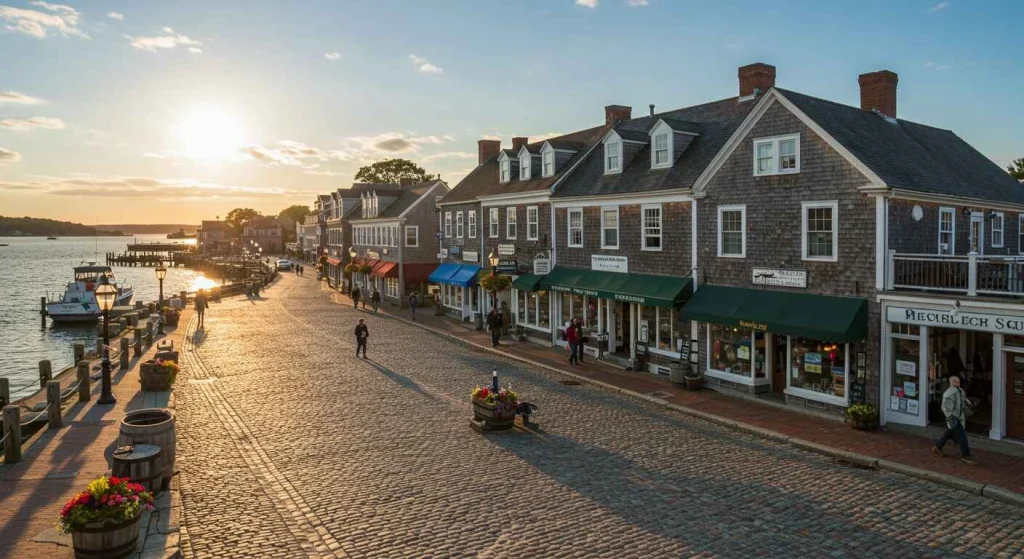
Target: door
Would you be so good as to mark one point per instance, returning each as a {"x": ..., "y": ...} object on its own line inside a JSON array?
[
  {"x": 779, "y": 354},
  {"x": 1015, "y": 395},
  {"x": 625, "y": 314},
  {"x": 977, "y": 233}
]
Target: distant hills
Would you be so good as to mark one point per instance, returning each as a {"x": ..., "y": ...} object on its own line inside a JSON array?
[
  {"x": 37, "y": 227},
  {"x": 148, "y": 229}
]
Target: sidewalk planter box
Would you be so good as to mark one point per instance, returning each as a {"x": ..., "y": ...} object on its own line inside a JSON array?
[
  {"x": 865, "y": 424},
  {"x": 693, "y": 380},
  {"x": 862, "y": 417},
  {"x": 171, "y": 317},
  {"x": 98, "y": 540},
  {"x": 157, "y": 375},
  {"x": 103, "y": 520},
  {"x": 492, "y": 419}
]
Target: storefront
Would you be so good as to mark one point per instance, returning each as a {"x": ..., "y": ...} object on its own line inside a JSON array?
[
  {"x": 332, "y": 272},
  {"x": 798, "y": 344},
  {"x": 458, "y": 292},
  {"x": 927, "y": 340},
  {"x": 531, "y": 306}
]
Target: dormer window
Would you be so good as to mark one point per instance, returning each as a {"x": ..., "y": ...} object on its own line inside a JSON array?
[
  {"x": 525, "y": 164},
  {"x": 547, "y": 157},
  {"x": 661, "y": 149},
  {"x": 505, "y": 166},
  {"x": 613, "y": 156}
]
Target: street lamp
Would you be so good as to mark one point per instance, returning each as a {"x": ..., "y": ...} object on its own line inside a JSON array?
[
  {"x": 105, "y": 295},
  {"x": 493, "y": 260},
  {"x": 161, "y": 273}
]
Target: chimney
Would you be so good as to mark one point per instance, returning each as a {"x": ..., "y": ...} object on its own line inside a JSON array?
[
  {"x": 518, "y": 143},
  {"x": 487, "y": 149},
  {"x": 405, "y": 181},
  {"x": 878, "y": 92},
  {"x": 757, "y": 76},
  {"x": 652, "y": 108},
  {"x": 614, "y": 114}
]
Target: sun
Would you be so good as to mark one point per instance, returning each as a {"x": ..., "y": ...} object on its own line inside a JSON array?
[{"x": 210, "y": 134}]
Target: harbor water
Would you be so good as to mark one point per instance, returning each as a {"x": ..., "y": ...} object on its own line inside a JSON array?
[{"x": 32, "y": 267}]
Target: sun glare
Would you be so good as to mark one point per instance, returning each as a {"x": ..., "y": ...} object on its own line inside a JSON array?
[{"x": 210, "y": 134}]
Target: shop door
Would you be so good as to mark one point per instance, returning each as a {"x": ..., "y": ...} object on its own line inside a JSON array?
[
  {"x": 1015, "y": 395},
  {"x": 623, "y": 317},
  {"x": 977, "y": 237},
  {"x": 779, "y": 354}
]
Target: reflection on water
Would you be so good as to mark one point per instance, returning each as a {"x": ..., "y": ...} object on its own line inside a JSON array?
[{"x": 202, "y": 282}]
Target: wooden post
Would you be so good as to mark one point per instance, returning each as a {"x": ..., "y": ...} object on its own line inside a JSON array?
[
  {"x": 124, "y": 353},
  {"x": 45, "y": 372},
  {"x": 138, "y": 343},
  {"x": 42, "y": 310},
  {"x": 12, "y": 428},
  {"x": 53, "y": 404},
  {"x": 79, "y": 352},
  {"x": 149, "y": 336},
  {"x": 84, "y": 389},
  {"x": 122, "y": 322},
  {"x": 5, "y": 393},
  {"x": 184, "y": 299}
]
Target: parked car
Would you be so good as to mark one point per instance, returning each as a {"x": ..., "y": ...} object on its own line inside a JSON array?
[{"x": 284, "y": 265}]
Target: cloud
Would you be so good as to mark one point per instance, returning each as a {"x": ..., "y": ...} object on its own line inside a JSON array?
[
  {"x": 8, "y": 156},
  {"x": 332, "y": 55},
  {"x": 23, "y": 124},
  {"x": 142, "y": 188},
  {"x": 449, "y": 155},
  {"x": 115, "y": 15},
  {"x": 935, "y": 66},
  {"x": 323, "y": 173},
  {"x": 424, "y": 67},
  {"x": 18, "y": 98},
  {"x": 587, "y": 3},
  {"x": 62, "y": 19},
  {"x": 169, "y": 40},
  {"x": 416, "y": 60},
  {"x": 194, "y": 50},
  {"x": 939, "y": 7},
  {"x": 293, "y": 154},
  {"x": 390, "y": 143},
  {"x": 636, "y": 3}
]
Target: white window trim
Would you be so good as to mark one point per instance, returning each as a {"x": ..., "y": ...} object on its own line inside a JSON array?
[
  {"x": 535, "y": 325},
  {"x": 447, "y": 225},
  {"x": 544, "y": 155},
  {"x": 505, "y": 171},
  {"x": 643, "y": 227},
  {"x": 511, "y": 222},
  {"x": 1020, "y": 234},
  {"x": 804, "y": 206},
  {"x": 525, "y": 170},
  {"x": 569, "y": 229},
  {"x": 608, "y": 170},
  {"x": 1002, "y": 230},
  {"x": 415, "y": 229},
  {"x": 774, "y": 142},
  {"x": 472, "y": 224},
  {"x": 668, "y": 145},
  {"x": 742, "y": 208},
  {"x": 843, "y": 400},
  {"x": 952, "y": 231},
  {"x": 722, "y": 375},
  {"x": 460, "y": 225},
  {"x": 494, "y": 225},
  {"x": 618, "y": 230},
  {"x": 532, "y": 224}
]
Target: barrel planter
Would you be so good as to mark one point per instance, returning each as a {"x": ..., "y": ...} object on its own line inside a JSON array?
[
  {"x": 865, "y": 423},
  {"x": 694, "y": 381},
  {"x": 171, "y": 319},
  {"x": 493, "y": 419},
  {"x": 677, "y": 372},
  {"x": 106, "y": 540},
  {"x": 152, "y": 426},
  {"x": 154, "y": 378},
  {"x": 139, "y": 463}
]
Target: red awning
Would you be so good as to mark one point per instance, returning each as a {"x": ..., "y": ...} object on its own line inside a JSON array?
[
  {"x": 333, "y": 261},
  {"x": 380, "y": 264},
  {"x": 415, "y": 273},
  {"x": 371, "y": 263},
  {"x": 386, "y": 270}
]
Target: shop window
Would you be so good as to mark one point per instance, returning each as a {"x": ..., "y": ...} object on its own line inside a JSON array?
[
  {"x": 590, "y": 316},
  {"x": 544, "y": 310},
  {"x": 533, "y": 309},
  {"x": 474, "y": 299},
  {"x": 906, "y": 329},
  {"x": 575, "y": 229},
  {"x": 565, "y": 311},
  {"x": 905, "y": 392},
  {"x": 818, "y": 366},
  {"x": 1013, "y": 341},
  {"x": 520, "y": 307},
  {"x": 736, "y": 351},
  {"x": 391, "y": 287}
]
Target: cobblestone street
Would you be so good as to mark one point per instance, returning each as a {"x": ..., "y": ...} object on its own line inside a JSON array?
[{"x": 289, "y": 446}]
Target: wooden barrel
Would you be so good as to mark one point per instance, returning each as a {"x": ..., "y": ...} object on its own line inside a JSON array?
[
  {"x": 152, "y": 426},
  {"x": 139, "y": 463},
  {"x": 493, "y": 420},
  {"x": 106, "y": 540}
]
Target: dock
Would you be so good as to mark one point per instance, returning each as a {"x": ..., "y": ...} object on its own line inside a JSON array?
[{"x": 153, "y": 254}]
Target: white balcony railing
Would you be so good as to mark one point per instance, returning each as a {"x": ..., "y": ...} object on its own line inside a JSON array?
[{"x": 973, "y": 274}]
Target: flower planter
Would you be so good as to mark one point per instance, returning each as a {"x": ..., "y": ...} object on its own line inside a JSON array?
[
  {"x": 492, "y": 418},
  {"x": 694, "y": 382},
  {"x": 106, "y": 540},
  {"x": 154, "y": 378},
  {"x": 171, "y": 319},
  {"x": 864, "y": 423}
]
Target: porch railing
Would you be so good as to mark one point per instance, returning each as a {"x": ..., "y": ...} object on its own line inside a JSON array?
[{"x": 972, "y": 274}]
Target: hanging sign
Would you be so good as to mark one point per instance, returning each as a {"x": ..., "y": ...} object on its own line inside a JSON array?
[
  {"x": 541, "y": 265},
  {"x": 780, "y": 278},
  {"x": 605, "y": 263},
  {"x": 443, "y": 253},
  {"x": 507, "y": 267},
  {"x": 470, "y": 256},
  {"x": 506, "y": 250},
  {"x": 373, "y": 255}
]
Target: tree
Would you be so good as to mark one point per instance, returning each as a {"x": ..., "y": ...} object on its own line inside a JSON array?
[
  {"x": 239, "y": 218},
  {"x": 392, "y": 171},
  {"x": 1016, "y": 169},
  {"x": 295, "y": 213}
]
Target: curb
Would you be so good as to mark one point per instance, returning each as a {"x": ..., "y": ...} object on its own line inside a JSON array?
[{"x": 993, "y": 492}]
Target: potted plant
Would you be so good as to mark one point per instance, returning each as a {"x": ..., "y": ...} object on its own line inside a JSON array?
[
  {"x": 496, "y": 411},
  {"x": 693, "y": 378},
  {"x": 171, "y": 316},
  {"x": 365, "y": 269},
  {"x": 157, "y": 375},
  {"x": 863, "y": 417},
  {"x": 351, "y": 269},
  {"x": 103, "y": 520}
]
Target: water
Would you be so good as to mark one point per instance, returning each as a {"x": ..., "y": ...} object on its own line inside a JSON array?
[{"x": 31, "y": 267}]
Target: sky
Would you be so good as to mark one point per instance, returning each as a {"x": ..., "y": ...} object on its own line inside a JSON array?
[{"x": 134, "y": 111}]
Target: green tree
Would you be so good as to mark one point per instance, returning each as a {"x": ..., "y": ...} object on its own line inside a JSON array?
[
  {"x": 239, "y": 218},
  {"x": 391, "y": 171},
  {"x": 1016, "y": 169},
  {"x": 295, "y": 213}
]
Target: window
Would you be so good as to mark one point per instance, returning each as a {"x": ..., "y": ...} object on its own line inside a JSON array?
[
  {"x": 532, "y": 223},
  {"x": 661, "y": 149},
  {"x": 447, "y": 225},
  {"x": 818, "y": 366},
  {"x": 524, "y": 167},
  {"x": 510, "y": 222},
  {"x": 504, "y": 170},
  {"x": 459, "y": 226},
  {"x": 1020, "y": 233},
  {"x": 493, "y": 222},
  {"x": 575, "y": 227},
  {"x": 412, "y": 236},
  {"x": 610, "y": 228},
  {"x": 947, "y": 231},
  {"x": 548, "y": 163},
  {"x": 732, "y": 231},
  {"x": 661, "y": 337},
  {"x": 612, "y": 157},
  {"x": 736, "y": 351},
  {"x": 391, "y": 287},
  {"x": 777, "y": 156},
  {"x": 905, "y": 366},
  {"x": 533, "y": 309},
  {"x": 651, "y": 227},
  {"x": 820, "y": 228},
  {"x": 472, "y": 224},
  {"x": 998, "y": 225}
]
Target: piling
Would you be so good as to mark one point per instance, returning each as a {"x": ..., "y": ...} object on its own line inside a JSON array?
[
  {"x": 53, "y": 404},
  {"x": 5, "y": 392},
  {"x": 84, "y": 389},
  {"x": 124, "y": 353},
  {"x": 42, "y": 310},
  {"x": 45, "y": 372},
  {"x": 149, "y": 337},
  {"x": 12, "y": 428},
  {"x": 138, "y": 343},
  {"x": 79, "y": 352}
]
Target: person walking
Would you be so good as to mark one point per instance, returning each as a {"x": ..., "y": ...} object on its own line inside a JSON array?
[
  {"x": 494, "y": 324},
  {"x": 201, "y": 305},
  {"x": 572, "y": 335},
  {"x": 362, "y": 333},
  {"x": 375, "y": 299},
  {"x": 413, "y": 302},
  {"x": 579, "y": 344},
  {"x": 355, "y": 297},
  {"x": 955, "y": 406}
]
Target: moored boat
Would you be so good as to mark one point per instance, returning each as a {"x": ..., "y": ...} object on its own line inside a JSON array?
[{"x": 79, "y": 301}]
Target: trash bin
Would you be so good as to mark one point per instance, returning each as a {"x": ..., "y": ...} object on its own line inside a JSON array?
[
  {"x": 677, "y": 372},
  {"x": 479, "y": 320}
]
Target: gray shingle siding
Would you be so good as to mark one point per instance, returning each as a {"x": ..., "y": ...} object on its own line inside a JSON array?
[
  {"x": 526, "y": 249},
  {"x": 908, "y": 236}
]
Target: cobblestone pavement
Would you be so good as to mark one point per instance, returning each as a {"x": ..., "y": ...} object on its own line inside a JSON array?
[{"x": 289, "y": 446}]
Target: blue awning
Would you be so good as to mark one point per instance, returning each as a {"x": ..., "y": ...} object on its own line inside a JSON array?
[
  {"x": 443, "y": 273},
  {"x": 465, "y": 276}
]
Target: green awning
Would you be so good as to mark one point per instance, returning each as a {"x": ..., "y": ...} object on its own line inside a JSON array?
[
  {"x": 655, "y": 291},
  {"x": 821, "y": 317},
  {"x": 526, "y": 282}
]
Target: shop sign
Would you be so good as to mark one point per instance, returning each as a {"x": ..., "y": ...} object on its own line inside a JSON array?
[
  {"x": 541, "y": 265},
  {"x": 630, "y": 298},
  {"x": 454, "y": 250},
  {"x": 507, "y": 267},
  {"x": 812, "y": 363},
  {"x": 957, "y": 319},
  {"x": 644, "y": 329},
  {"x": 373, "y": 255},
  {"x": 780, "y": 278},
  {"x": 506, "y": 250},
  {"x": 906, "y": 368},
  {"x": 605, "y": 263},
  {"x": 443, "y": 253},
  {"x": 753, "y": 325},
  {"x": 471, "y": 256}
]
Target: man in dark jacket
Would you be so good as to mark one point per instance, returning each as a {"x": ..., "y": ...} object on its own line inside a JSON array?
[
  {"x": 494, "y": 322},
  {"x": 355, "y": 296},
  {"x": 201, "y": 305},
  {"x": 362, "y": 333},
  {"x": 375, "y": 299}
]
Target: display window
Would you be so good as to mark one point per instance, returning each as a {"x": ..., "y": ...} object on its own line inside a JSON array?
[
  {"x": 565, "y": 308},
  {"x": 904, "y": 391},
  {"x": 533, "y": 308},
  {"x": 737, "y": 351},
  {"x": 818, "y": 366}
]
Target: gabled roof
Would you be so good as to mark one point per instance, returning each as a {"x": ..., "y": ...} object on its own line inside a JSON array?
[
  {"x": 911, "y": 156},
  {"x": 214, "y": 226},
  {"x": 682, "y": 125},
  {"x": 484, "y": 181},
  {"x": 510, "y": 153},
  {"x": 633, "y": 135},
  {"x": 716, "y": 120},
  {"x": 408, "y": 196}
]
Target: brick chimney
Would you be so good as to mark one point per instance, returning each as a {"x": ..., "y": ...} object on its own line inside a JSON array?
[
  {"x": 878, "y": 91},
  {"x": 617, "y": 113},
  {"x": 518, "y": 143},
  {"x": 405, "y": 181},
  {"x": 487, "y": 149},
  {"x": 759, "y": 76}
]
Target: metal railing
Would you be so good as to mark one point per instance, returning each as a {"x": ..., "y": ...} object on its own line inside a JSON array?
[{"x": 972, "y": 274}]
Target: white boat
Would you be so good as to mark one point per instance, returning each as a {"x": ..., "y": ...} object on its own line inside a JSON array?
[{"x": 79, "y": 301}]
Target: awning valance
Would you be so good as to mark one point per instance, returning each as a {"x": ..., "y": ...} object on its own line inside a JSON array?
[
  {"x": 386, "y": 270},
  {"x": 417, "y": 272},
  {"x": 465, "y": 276},
  {"x": 333, "y": 261},
  {"x": 443, "y": 273},
  {"x": 655, "y": 291},
  {"x": 821, "y": 317},
  {"x": 526, "y": 282}
]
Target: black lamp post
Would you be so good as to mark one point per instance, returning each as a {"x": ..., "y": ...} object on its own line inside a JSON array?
[
  {"x": 105, "y": 295},
  {"x": 493, "y": 260},
  {"x": 161, "y": 273}
]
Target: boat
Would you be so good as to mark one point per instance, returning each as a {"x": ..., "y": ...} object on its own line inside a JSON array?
[
  {"x": 51, "y": 238},
  {"x": 78, "y": 304},
  {"x": 4, "y": 245}
]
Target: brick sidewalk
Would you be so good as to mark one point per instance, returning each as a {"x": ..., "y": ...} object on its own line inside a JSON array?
[
  {"x": 58, "y": 464},
  {"x": 992, "y": 469}
]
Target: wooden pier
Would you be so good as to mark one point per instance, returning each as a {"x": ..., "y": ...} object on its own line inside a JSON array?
[{"x": 153, "y": 254}]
